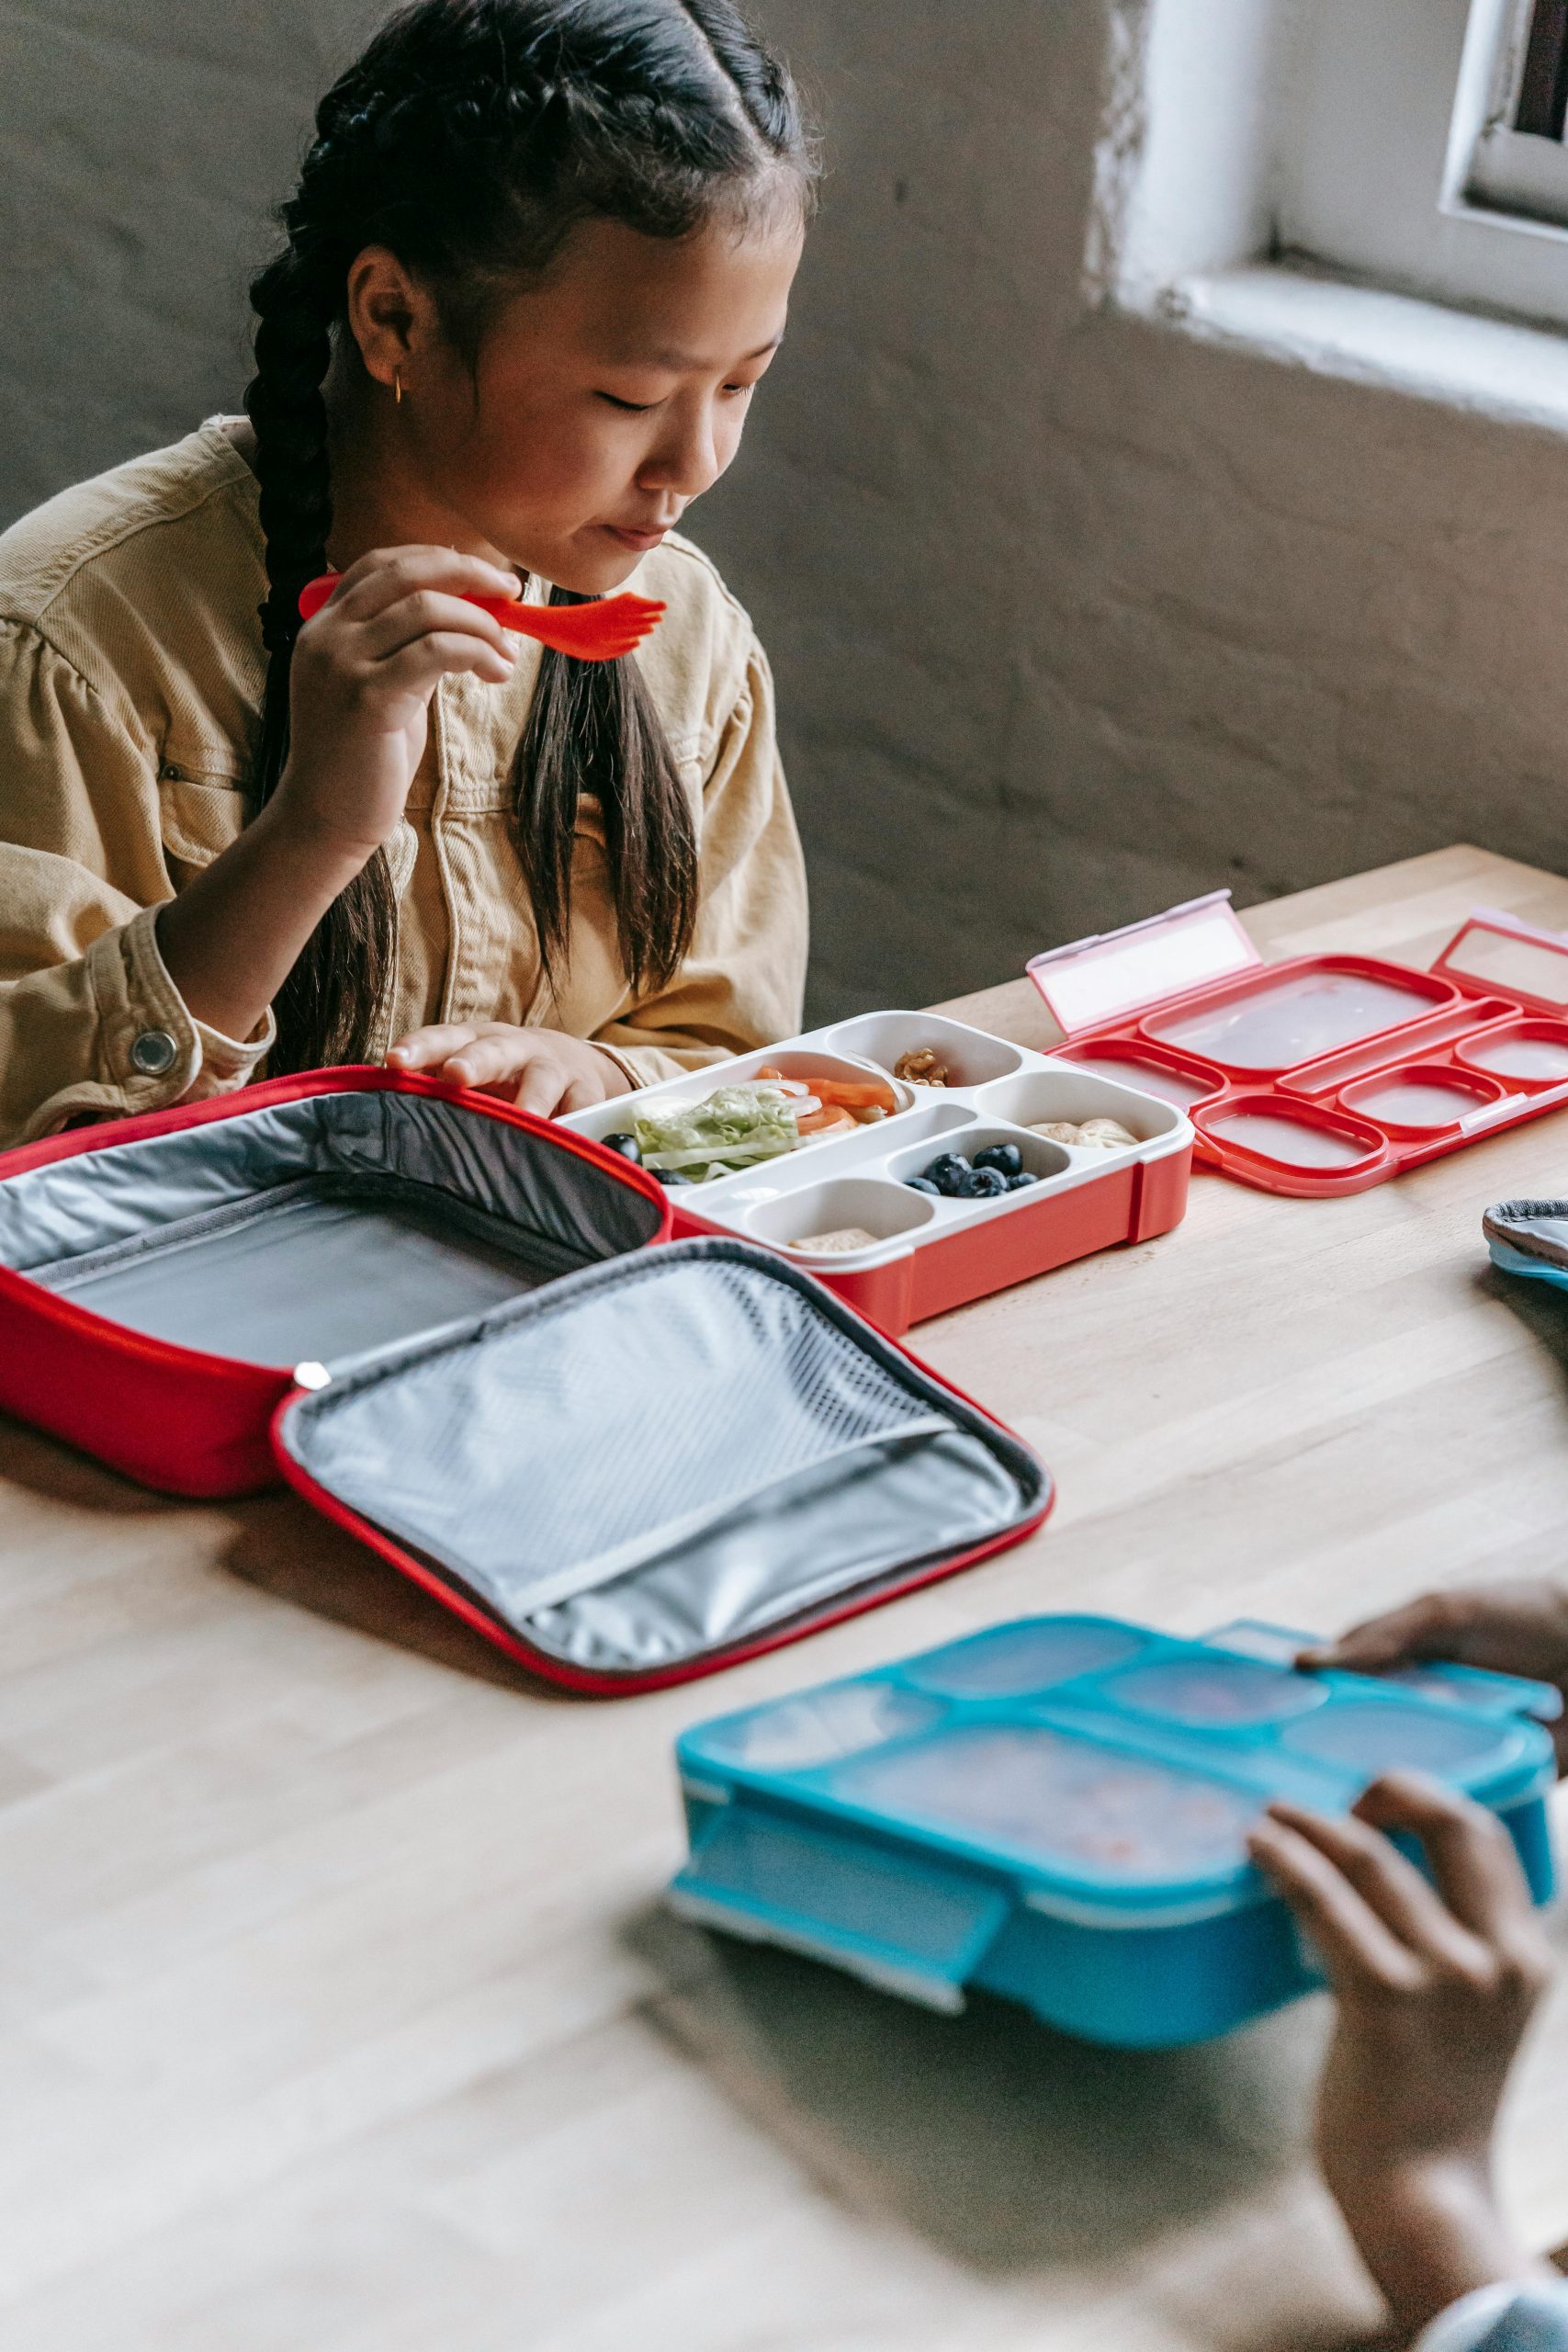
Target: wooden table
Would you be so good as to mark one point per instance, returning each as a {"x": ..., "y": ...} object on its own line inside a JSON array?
[{"x": 338, "y": 2012}]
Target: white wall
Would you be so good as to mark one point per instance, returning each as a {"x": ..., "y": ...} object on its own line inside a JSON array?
[{"x": 1072, "y": 615}]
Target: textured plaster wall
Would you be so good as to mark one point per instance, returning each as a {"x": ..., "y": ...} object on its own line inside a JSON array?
[{"x": 1071, "y": 616}]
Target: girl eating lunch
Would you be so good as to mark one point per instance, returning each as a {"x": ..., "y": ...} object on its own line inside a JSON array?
[{"x": 539, "y": 256}]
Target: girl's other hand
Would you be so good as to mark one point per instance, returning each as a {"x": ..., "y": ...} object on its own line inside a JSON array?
[
  {"x": 1518, "y": 1628},
  {"x": 540, "y": 1069},
  {"x": 364, "y": 672},
  {"x": 1434, "y": 1985}
]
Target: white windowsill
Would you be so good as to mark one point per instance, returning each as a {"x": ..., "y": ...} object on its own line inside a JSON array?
[{"x": 1293, "y": 313}]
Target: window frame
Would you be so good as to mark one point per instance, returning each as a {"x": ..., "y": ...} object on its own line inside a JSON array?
[
  {"x": 1513, "y": 168},
  {"x": 1396, "y": 163}
]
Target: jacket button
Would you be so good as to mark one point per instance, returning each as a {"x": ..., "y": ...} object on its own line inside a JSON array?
[{"x": 153, "y": 1053}]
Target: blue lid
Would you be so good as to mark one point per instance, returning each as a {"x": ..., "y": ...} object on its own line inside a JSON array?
[
  {"x": 1095, "y": 1766},
  {"x": 1471, "y": 1686}
]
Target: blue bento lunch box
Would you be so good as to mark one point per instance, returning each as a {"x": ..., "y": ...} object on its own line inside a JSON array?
[{"x": 1056, "y": 1810}]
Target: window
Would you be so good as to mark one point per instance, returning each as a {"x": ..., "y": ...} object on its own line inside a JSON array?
[
  {"x": 1420, "y": 145},
  {"x": 1520, "y": 162},
  {"x": 1413, "y": 145}
]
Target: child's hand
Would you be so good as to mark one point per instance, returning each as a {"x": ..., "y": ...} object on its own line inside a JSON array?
[
  {"x": 364, "y": 672},
  {"x": 1519, "y": 1628},
  {"x": 1434, "y": 1987},
  {"x": 540, "y": 1069}
]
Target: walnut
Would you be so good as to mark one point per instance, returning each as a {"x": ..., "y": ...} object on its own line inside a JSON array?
[{"x": 919, "y": 1067}]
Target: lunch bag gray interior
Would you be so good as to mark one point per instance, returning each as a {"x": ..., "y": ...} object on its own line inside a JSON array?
[
  {"x": 314, "y": 1230},
  {"x": 658, "y": 1458}
]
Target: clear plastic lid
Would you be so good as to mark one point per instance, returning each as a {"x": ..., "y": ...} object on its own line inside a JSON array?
[
  {"x": 1087, "y": 1809},
  {"x": 1406, "y": 1100},
  {"x": 1503, "y": 953},
  {"x": 1290, "y": 1143},
  {"x": 1214, "y": 1690},
  {"x": 820, "y": 1726},
  {"x": 1011, "y": 1661},
  {"x": 1520, "y": 1054},
  {"x": 1097, "y": 979},
  {"x": 1368, "y": 1736},
  {"x": 1276, "y": 1024}
]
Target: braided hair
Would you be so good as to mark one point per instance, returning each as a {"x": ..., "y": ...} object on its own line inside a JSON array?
[{"x": 470, "y": 137}]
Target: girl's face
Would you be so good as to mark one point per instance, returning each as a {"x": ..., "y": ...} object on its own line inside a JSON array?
[{"x": 604, "y": 398}]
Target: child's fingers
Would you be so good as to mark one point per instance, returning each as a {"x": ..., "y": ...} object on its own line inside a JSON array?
[
  {"x": 1473, "y": 1859},
  {"x": 1356, "y": 1946},
  {"x": 1417, "y": 1630},
  {"x": 489, "y": 1061},
  {"x": 385, "y": 575},
  {"x": 1387, "y": 1884},
  {"x": 426, "y": 612},
  {"x": 418, "y": 669},
  {"x": 545, "y": 1083},
  {"x": 426, "y": 1048},
  {"x": 579, "y": 1096}
]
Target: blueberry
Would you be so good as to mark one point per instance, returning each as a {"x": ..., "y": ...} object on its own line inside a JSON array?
[
  {"x": 984, "y": 1185},
  {"x": 628, "y": 1145},
  {"x": 1005, "y": 1158},
  {"x": 922, "y": 1184},
  {"x": 949, "y": 1173},
  {"x": 673, "y": 1176},
  {"x": 1015, "y": 1183}
]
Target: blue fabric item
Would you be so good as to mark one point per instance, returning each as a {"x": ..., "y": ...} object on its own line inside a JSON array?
[{"x": 1538, "y": 2321}]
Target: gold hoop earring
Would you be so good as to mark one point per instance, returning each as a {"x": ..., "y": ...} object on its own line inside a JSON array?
[{"x": 397, "y": 387}]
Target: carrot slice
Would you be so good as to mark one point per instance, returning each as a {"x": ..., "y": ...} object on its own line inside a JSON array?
[
  {"x": 876, "y": 1095},
  {"x": 826, "y": 1122}
]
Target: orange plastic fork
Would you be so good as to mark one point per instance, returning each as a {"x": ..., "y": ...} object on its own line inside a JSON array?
[{"x": 601, "y": 631}]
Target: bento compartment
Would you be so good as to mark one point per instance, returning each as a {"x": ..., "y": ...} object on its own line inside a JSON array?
[
  {"x": 1292, "y": 1137},
  {"x": 1421, "y": 1098},
  {"x": 941, "y": 1128},
  {"x": 968, "y": 1056},
  {"x": 318, "y": 1229},
  {"x": 1173, "y": 1078},
  {"x": 1272, "y": 1023},
  {"x": 1372, "y": 1735},
  {"x": 1526, "y": 1052},
  {"x": 1216, "y": 1692},
  {"x": 821, "y": 1728},
  {"x": 1040, "y": 1158},
  {"x": 652, "y": 1460},
  {"x": 800, "y": 1068},
  {"x": 1083, "y": 1806},
  {"x": 1045, "y": 1096},
  {"x": 814, "y": 1223},
  {"x": 1020, "y": 1660}
]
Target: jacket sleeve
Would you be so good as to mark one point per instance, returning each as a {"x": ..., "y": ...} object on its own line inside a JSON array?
[
  {"x": 742, "y": 984},
  {"x": 91, "y": 1024},
  {"x": 1508, "y": 2318}
]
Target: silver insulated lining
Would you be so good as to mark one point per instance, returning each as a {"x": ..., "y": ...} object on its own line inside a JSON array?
[
  {"x": 315, "y": 1231},
  {"x": 656, "y": 1459}
]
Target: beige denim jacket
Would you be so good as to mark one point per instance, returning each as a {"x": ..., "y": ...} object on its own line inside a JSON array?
[{"x": 131, "y": 679}]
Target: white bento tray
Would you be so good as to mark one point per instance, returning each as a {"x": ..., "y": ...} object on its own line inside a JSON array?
[{"x": 1000, "y": 1091}]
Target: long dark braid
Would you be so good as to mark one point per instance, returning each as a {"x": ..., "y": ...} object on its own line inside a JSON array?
[
  {"x": 470, "y": 137},
  {"x": 319, "y": 1019}
]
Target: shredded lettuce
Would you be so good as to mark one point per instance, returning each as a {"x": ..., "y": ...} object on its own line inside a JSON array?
[{"x": 734, "y": 1129}]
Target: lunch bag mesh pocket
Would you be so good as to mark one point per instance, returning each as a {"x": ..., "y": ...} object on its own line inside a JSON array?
[{"x": 555, "y": 1448}]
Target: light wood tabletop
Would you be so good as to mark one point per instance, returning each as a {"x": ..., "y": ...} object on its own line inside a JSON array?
[{"x": 338, "y": 2010}]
